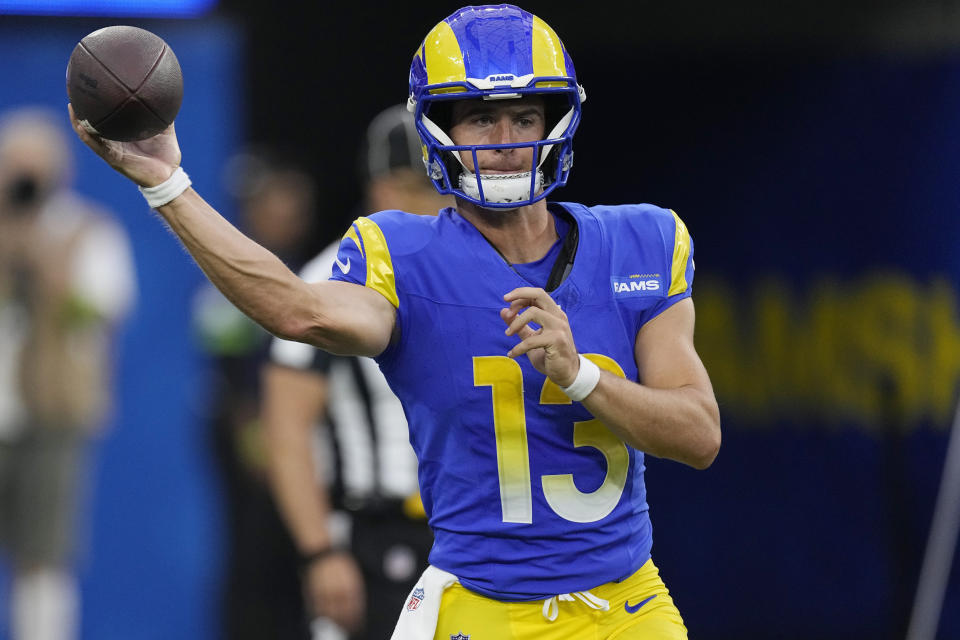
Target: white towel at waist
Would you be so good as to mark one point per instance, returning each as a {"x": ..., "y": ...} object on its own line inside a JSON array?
[{"x": 418, "y": 619}]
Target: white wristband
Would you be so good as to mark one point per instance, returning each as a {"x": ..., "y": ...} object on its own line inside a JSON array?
[
  {"x": 167, "y": 190},
  {"x": 585, "y": 382}
]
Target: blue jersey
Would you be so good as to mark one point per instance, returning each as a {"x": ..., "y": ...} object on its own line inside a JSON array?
[{"x": 528, "y": 495}]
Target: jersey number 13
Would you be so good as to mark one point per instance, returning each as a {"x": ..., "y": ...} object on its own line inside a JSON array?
[{"x": 505, "y": 377}]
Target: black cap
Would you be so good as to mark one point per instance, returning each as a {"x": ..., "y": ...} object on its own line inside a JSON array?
[{"x": 391, "y": 142}]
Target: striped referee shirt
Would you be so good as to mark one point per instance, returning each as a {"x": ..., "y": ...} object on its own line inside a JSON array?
[{"x": 365, "y": 449}]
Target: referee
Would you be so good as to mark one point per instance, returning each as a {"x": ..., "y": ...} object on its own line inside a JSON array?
[{"x": 348, "y": 491}]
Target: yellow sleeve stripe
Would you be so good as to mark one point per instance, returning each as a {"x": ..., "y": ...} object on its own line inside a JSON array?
[
  {"x": 445, "y": 63},
  {"x": 352, "y": 235},
  {"x": 681, "y": 254},
  {"x": 380, "y": 276},
  {"x": 547, "y": 53}
]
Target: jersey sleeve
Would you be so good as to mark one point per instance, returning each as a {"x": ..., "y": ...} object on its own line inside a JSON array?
[
  {"x": 678, "y": 262},
  {"x": 363, "y": 258}
]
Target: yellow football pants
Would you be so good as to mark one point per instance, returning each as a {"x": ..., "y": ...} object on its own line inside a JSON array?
[{"x": 640, "y": 608}]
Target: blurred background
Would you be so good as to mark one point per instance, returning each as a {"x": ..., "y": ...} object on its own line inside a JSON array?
[{"x": 813, "y": 150}]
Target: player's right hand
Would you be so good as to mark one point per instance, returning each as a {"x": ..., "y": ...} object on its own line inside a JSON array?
[
  {"x": 147, "y": 162},
  {"x": 551, "y": 348},
  {"x": 334, "y": 590}
]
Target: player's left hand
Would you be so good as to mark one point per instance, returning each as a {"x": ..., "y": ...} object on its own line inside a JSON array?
[{"x": 550, "y": 348}]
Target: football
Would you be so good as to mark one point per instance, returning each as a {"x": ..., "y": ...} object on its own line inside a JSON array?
[{"x": 124, "y": 83}]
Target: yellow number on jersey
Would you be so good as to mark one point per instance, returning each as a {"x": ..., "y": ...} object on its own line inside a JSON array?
[
  {"x": 505, "y": 377},
  {"x": 503, "y": 374}
]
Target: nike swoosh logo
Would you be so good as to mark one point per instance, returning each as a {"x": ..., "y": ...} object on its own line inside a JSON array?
[
  {"x": 343, "y": 267},
  {"x": 636, "y": 607}
]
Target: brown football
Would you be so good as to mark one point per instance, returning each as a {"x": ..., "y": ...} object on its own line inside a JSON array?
[{"x": 125, "y": 83}]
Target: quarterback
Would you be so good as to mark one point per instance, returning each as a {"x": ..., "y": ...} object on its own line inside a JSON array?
[{"x": 539, "y": 349}]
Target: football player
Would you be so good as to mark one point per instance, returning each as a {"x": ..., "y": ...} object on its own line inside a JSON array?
[{"x": 539, "y": 349}]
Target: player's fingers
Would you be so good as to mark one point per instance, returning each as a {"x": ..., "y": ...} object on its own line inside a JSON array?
[
  {"x": 547, "y": 319},
  {"x": 517, "y": 320},
  {"x": 531, "y": 315},
  {"x": 532, "y": 341},
  {"x": 94, "y": 142},
  {"x": 535, "y": 295},
  {"x": 545, "y": 303},
  {"x": 508, "y": 317},
  {"x": 72, "y": 115},
  {"x": 83, "y": 129},
  {"x": 531, "y": 293},
  {"x": 526, "y": 331},
  {"x": 520, "y": 304}
]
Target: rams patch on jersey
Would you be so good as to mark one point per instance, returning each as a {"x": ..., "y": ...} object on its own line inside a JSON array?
[{"x": 637, "y": 285}]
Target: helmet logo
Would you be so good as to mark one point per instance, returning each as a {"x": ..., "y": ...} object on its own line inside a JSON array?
[{"x": 497, "y": 80}]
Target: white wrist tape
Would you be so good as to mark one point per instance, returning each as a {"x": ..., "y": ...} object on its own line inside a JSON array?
[
  {"x": 167, "y": 190},
  {"x": 585, "y": 382}
]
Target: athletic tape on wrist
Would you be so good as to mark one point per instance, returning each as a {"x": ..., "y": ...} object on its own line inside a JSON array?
[
  {"x": 585, "y": 382},
  {"x": 167, "y": 190}
]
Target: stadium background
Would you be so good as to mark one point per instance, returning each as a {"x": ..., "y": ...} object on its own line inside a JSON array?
[{"x": 813, "y": 150}]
